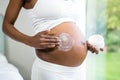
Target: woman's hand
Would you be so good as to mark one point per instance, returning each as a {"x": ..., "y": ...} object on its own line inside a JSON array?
[
  {"x": 93, "y": 49},
  {"x": 43, "y": 40}
]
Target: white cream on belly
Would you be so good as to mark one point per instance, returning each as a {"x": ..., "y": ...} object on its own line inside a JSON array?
[{"x": 65, "y": 42}]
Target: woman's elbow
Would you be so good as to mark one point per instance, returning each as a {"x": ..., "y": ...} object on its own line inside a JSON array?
[{"x": 5, "y": 27}]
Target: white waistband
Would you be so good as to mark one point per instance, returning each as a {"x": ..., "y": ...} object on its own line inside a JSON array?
[{"x": 55, "y": 67}]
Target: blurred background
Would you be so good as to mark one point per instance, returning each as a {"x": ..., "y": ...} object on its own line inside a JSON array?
[
  {"x": 103, "y": 17},
  {"x": 97, "y": 17}
]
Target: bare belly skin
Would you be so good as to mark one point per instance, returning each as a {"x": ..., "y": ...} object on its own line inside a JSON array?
[{"x": 73, "y": 57}]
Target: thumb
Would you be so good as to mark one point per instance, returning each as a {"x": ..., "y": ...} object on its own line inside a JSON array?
[{"x": 46, "y": 32}]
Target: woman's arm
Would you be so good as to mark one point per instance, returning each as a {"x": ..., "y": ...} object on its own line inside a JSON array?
[
  {"x": 11, "y": 15},
  {"x": 37, "y": 41}
]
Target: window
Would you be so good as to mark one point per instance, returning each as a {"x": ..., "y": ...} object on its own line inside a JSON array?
[{"x": 96, "y": 23}]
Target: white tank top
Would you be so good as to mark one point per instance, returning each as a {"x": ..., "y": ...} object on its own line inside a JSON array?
[{"x": 46, "y": 14}]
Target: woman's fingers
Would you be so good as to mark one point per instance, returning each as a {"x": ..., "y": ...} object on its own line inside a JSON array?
[
  {"x": 92, "y": 48},
  {"x": 43, "y": 40},
  {"x": 101, "y": 49},
  {"x": 48, "y": 45},
  {"x": 96, "y": 51},
  {"x": 48, "y": 36},
  {"x": 50, "y": 40}
]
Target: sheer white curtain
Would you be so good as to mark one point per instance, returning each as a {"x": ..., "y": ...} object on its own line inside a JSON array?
[
  {"x": 82, "y": 26},
  {"x": 95, "y": 64}
]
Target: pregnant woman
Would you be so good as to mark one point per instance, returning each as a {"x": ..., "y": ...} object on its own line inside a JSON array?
[{"x": 55, "y": 25}]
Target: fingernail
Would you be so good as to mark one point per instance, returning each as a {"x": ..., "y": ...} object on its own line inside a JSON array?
[
  {"x": 101, "y": 49},
  {"x": 52, "y": 45}
]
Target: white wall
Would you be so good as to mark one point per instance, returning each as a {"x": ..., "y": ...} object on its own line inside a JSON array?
[
  {"x": 20, "y": 55},
  {"x": 1, "y": 36}
]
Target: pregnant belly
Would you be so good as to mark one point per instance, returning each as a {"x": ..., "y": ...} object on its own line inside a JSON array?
[{"x": 75, "y": 56}]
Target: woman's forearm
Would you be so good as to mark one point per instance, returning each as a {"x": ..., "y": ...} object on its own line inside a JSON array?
[
  {"x": 12, "y": 32},
  {"x": 38, "y": 41},
  {"x": 9, "y": 20}
]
